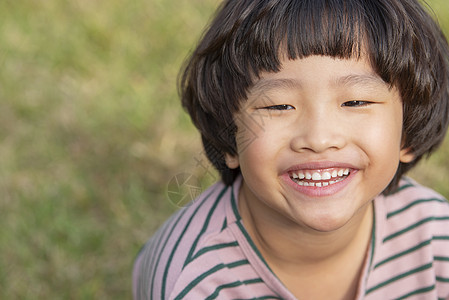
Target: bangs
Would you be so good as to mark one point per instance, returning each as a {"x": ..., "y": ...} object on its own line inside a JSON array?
[
  {"x": 314, "y": 27},
  {"x": 297, "y": 29},
  {"x": 324, "y": 28},
  {"x": 268, "y": 31}
]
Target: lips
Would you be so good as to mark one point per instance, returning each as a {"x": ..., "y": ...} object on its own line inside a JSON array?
[{"x": 319, "y": 179}]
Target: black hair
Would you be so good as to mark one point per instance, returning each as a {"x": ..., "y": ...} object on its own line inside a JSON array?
[{"x": 403, "y": 43}]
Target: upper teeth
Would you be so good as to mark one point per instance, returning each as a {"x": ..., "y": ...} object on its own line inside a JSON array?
[{"x": 318, "y": 175}]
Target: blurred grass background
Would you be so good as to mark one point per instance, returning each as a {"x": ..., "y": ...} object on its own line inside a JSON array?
[{"x": 91, "y": 134}]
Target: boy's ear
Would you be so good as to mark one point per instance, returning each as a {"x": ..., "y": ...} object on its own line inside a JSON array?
[
  {"x": 232, "y": 161},
  {"x": 406, "y": 155}
]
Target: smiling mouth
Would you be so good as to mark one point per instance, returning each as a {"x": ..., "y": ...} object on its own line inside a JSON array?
[{"x": 319, "y": 178}]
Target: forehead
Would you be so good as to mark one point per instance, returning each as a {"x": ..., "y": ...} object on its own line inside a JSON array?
[{"x": 330, "y": 71}]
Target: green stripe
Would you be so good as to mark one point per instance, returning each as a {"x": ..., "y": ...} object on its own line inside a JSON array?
[
  {"x": 407, "y": 185},
  {"x": 205, "y": 225},
  {"x": 170, "y": 258},
  {"x": 246, "y": 234},
  {"x": 401, "y": 188},
  {"x": 393, "y": 213},
  {"x": 442, "y": 279},
  {"x": 441, "y": 258},
  {"x": 382, "y": 284},
  {"x": 234, "y": 206},
  {"x": 217, "y": 291},
  {"x": 214, "y": 247},
  {"x": 413, "y": 226},
  {"x": 217, "y": 268},
  {"x": 405, "y": 252},
  {"x": 253, "y": 246},
  {"x": 145, "y": 268},
  {"x": 419, "y": 291},
  {"x": 149, "y": 266},
  {"x": 225, "y": 224},
  {"x": 373, "y": 239},
  {"x": 164, "y": 246},
  {"x": 264, "y": 298}
]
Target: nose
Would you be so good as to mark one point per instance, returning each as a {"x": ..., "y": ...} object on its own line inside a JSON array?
[{"x": 319, "y": 130}]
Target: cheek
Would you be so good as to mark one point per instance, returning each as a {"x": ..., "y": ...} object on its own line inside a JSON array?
[
  {"x": 252, "y": 151},
  {"x": 384, "y": 137},
  {"x": 258, "y": 149},
  {"x": 381, "y": 140}
]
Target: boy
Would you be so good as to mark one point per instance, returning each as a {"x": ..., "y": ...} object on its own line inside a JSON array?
[{"x": 312, "y": 111}]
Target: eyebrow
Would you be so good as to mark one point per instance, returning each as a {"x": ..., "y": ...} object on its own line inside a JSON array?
[
  {"x": 265, "y": 85},
  {"x": 360, "y": 79},
  {"x": 368, "y": 80}
]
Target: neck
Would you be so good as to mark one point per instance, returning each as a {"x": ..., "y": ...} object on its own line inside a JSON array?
[
  {"x": 305, "y": 259},
  {"x": 284, "y": 243}
]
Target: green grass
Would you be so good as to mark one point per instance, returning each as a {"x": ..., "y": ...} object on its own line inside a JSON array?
[{"x": 91, "y": 134}]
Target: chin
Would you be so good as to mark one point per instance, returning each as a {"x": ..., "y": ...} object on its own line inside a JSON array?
[{"x": 327, "y": 223}]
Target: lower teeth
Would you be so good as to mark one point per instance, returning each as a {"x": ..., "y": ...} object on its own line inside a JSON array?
[{"x": 318, "y": 184}]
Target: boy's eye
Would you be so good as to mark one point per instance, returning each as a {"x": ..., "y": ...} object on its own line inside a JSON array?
[
  {"x": 356, "y": 103},
  {"x": 279, "y": 107}
]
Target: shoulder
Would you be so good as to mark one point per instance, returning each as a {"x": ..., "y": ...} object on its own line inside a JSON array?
[
  {"x": 414, "y": 212},
  {"x": 412, "y": 244},
  {"x": 189, "y": 233},
  {"x": 414, "y": 201}
]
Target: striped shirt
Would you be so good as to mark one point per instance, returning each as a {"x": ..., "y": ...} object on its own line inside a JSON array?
[{"x": 204, "y": 252}]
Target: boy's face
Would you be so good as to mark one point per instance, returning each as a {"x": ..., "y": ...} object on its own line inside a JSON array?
[{"x": 317, "y": 141}]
